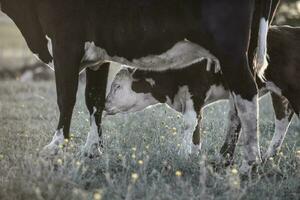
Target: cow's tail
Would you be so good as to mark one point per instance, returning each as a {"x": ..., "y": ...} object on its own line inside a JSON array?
[{"x": 260, "y": 59}]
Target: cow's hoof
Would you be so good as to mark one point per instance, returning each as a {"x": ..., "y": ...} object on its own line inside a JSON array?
[
  {"x": 92, "y": 150},
  {"x": 55, "y": 146}
]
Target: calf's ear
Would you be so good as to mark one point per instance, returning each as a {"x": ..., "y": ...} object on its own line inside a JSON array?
[{"x": 141, "y": 86}]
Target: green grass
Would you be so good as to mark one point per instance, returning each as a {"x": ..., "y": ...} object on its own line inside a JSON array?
[{"x": 28, "y": 116}]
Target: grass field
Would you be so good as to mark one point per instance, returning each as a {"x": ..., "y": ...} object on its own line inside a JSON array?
[
  {"x": 139, "y": 159},
  {"x": 140, "y": 156}
]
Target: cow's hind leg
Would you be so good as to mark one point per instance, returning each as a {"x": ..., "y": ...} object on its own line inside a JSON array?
[
  {"x": 67, "y": 59},
  {"x": 230, "y": 33},
  {"x": 95, "y": 100},
  {"x": 283, "y": 117},
  {"x": 244, "y": 93},
  {"x": 232, "y": 134}
]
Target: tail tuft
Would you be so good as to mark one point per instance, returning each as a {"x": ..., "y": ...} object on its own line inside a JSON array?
[
  {"x": 260, "y": 64},
  {"x": 260, "y": 59}
]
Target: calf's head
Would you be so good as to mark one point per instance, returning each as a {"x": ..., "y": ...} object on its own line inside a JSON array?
[{"x": 128, "y": 93}]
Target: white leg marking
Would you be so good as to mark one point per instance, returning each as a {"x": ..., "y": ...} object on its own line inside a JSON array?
[
  {"x": 54, "y": 146},
  {"x": 91, "y": 147},
  {"x": 281, "y": 127},
  {"x": 248, "y": 113},
  {"x": 260, "y": 61},
  {"x": 215, "y": 93},
  {"x": 190, "y": 120}
]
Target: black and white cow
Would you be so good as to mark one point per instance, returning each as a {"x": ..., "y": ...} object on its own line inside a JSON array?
[
  {"x": 75, "y": 34},
  {"x": 189, "y": 89}
]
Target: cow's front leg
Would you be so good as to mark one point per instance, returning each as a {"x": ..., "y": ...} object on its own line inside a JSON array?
[
  {"x": 95, "y": 90},
  {"x": 232, "y": 134},
  {"x": 283, "y": 117},
  {"x": 67, "y": 61}
]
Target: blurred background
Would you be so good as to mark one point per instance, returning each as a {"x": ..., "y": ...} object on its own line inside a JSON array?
[{"x": 17, "y": 62}]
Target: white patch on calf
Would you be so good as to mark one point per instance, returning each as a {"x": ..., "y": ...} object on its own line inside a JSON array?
[
  {"x": 54, "y": 146},
  {"x": 281, "y": 127},
  {"x": 248, "y": 114},
  {"x": 184, "y": 98},
  {"x": 150, "y": 81},
  {"x": 113, "y": 70},
  {"x": 260, "y": 60},
  {"x": 181, "y": 55},
  {"x": 215, "y": 93},
  {"x": 122, "y": 99}
]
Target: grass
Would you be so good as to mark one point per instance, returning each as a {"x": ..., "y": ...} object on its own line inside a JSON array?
[{"x": 140, "y": 159}]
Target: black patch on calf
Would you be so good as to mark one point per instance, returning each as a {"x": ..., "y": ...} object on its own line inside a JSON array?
[
  {"x": 141, "y": 86},
  {"x": 167, "y": 83}
]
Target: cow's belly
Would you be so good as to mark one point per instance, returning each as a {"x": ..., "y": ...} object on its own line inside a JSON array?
[{"x": 182, "y": 54}]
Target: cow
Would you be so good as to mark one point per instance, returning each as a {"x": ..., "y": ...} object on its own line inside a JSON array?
[
  {"x": 74, "y": 35},
  {"x": 190, "y": 89}
]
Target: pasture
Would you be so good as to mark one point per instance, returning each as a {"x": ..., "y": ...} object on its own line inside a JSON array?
[{"x": 139, "y": 160}]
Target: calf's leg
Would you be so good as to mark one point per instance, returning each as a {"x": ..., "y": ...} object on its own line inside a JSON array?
[
  {"x": 232, "y": 134},
  {"x": 283, "y": 117},
  {"x": 95, "y": 100},
  {"x": 197, "y": 143},
  {"x": 190, "y": 121}
]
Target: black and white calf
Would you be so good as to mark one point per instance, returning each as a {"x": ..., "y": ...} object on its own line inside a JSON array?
[{"x": 189, "y": 89}]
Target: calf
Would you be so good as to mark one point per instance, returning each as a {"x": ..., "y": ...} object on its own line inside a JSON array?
[{"x": 189, "y": 89}]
